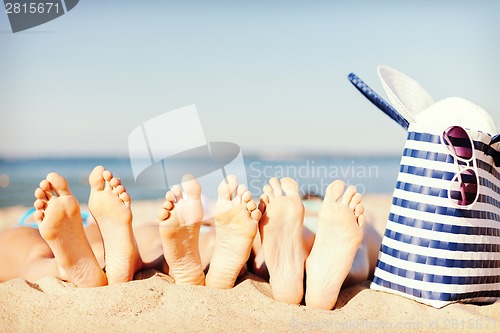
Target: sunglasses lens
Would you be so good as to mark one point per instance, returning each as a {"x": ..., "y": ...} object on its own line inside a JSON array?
[
  {"x": 458, "y": 142},
  {"x": 463, "y": 190}
]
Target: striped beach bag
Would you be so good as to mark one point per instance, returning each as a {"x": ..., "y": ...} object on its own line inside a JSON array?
[{"x": 442, "y": 239}]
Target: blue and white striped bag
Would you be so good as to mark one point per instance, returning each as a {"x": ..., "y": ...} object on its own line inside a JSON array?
[{"x": 442, "y": 239}]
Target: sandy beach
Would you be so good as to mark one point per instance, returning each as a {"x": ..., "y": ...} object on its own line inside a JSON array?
[{"x": 152, "y": 303}]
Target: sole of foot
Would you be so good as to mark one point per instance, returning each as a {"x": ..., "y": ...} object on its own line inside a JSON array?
[
  {"x": 60, "y": 225},
  {"x": 281, "y": 228},
  {"x": 236, "y": 219},
  {"x": 109, "y": 204},
  {"x": 180, "y": 221},
  {"x": 339, "y": 234}
]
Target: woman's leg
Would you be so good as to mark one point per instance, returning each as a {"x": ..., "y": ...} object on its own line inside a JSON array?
[{"x": 19, "y": 246}]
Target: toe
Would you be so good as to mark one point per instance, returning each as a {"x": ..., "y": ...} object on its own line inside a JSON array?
[
  {"x": 256, "y": 215},
  {"x": 177, "y": 191},
  {"x": 107, "y": 175},
  {"x": 246, "y": 197},
  {"x": 125, "y": 197},
  {"x": 263, "y": 202},
  {"x": 115, "y": 182},
  {"x": 289, "y": 186},
  {"x": 38, "y": 215},
  {"x": 268, "y": 191},
  {"x": 361, "y": 221},
  {"x": 40, "y": 194},
  {"x": 334, "y": 190},
  {"x": 119, "y": 189},
  {"x": 96, "y": 180},
  {"x": 39, "y": 204},
  {"x": 168, "y": 205},
  {"x": 356, "y": 200},
  {"x": 359, "y": 210},
  {"x": 170, "y": 196},
  {"x": 191, "y": 187},
  {"x": 163, "y": 214},
  {"x": 240, "y": 190},
  {"x": 227, "y": 187},
  {"x": 275, "y": 184},
  {"x": 58, "y": 183},
  {"x": 264, "y": 198},
  {"x": 46, "y": 189},
  {"x": 251, "y": 206},
  {"x": 349, "y": 193}
]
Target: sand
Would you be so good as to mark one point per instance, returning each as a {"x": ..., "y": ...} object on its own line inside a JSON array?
[{"x": 152, "y": 303}]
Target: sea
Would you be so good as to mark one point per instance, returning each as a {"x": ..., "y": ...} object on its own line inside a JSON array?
[{"x": 20, "y": 177}]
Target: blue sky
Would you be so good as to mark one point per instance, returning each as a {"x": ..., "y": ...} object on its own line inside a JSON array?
[{"x": 269, "y": 77}]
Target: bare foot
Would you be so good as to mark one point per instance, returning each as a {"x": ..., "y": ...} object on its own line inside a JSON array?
[
  {"x": 180, "y": 222},
  {"x": 236, "y": 219},
  {"x": 109, "y": 204},
  {"x": 60, "y": 225},
  {"x": 360, "y": 268},
  {"x": 282, "y": 244},
  {"x": 340, "y": 231}
]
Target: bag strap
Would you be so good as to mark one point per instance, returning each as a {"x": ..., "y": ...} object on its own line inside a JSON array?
[{"x": 378, "y": 101}]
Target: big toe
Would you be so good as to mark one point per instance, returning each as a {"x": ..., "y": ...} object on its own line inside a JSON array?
[
  {"x": 191, "y": 187},
  {"x": 96, "y": 179},
  {"x": 289, "y": 186},
  {"x": 58, "y": 183},
  {"x": 334, "y": 190}
]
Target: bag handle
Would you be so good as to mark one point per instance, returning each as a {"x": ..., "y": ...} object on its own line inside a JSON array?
[{"x": 378, "y": 101}]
